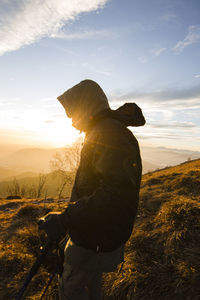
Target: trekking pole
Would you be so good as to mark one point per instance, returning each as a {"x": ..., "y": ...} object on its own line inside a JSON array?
[
  {"x": 59, "y": 263},
  {"x": 48, "y": 284},
  {"x": 34, "y": 269}
]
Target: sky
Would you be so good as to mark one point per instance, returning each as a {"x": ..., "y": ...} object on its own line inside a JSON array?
[{"x": 142, "y": 51}]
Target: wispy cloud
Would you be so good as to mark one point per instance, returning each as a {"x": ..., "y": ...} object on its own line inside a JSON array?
[
  {"x": 143, "y": 59},
  {"x": 49, "y": 121},
  {"x": 168, "y": 17},
  {"x": 82, "y": 35},
  {"x": 59, "y": 116},
  {"x": 95, "y": 69},
  {"x": 50, "y": 105},
  {"x": 158, "y": 51},
  {"x": 193, "y": 36},
  {"x": 180, "y": 98},
  {"x": 171, "y": 114},
  {"x": 9, "y": 101},
  {"x": 48, "y": 99},
  {"x": 24, "y": 22},
  {"x": 173, "y": 124},
  {"x": 197, "y": 76},
  {"x": 155, "y": 52}
]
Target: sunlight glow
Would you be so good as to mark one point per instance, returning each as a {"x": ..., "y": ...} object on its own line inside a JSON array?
[
  {"x": 38, "y": 126},
  {"x": 58, "y": 134}
]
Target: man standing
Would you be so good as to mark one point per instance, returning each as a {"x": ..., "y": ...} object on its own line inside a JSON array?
[{"x": 100, "y": 216}]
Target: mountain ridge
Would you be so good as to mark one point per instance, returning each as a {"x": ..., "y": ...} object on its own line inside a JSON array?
[{"x": 37, "y": 160}]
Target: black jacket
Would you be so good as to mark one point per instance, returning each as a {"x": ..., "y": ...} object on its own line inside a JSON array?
[{"x": 105, "y": 195}]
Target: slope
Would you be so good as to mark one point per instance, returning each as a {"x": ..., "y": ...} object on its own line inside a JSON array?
[{"x": 162, "y": 256}]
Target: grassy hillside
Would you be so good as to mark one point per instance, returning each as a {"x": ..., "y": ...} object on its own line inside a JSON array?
[
  {"x": 162, "y": 259},
  {"x": 162, "y": 256},
  {"x": 28, "y": 186}
]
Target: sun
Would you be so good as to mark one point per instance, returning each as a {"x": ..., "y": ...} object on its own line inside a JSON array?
[
  {"x": 59, "y": 133},
  {"x": 51, "y": 132},
  {"x": 39, "y": 127}
]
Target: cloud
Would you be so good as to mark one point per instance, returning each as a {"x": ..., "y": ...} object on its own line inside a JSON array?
[
  {"x": 197, "y": 76},
  {"x": 172, "y": 115},
  {"x": 13, "y": 101},
  {"x": 143, "y": 59},
  {"x": 173, "y": 124},
  {"x": 157, "y": 137},
  {"x": 96, "y": 69},
  {"x": 49, "y": 121},
  {"x": 168, "y": 17},
  {"x": 25, "y": 22},
  {"x": 157, "y": 52},
  {"x": 178, "y": 94},
  {"x": 7, "y": 103},
  {"x": 58, "y": 116},
  {"x": 48, "y": 99},
  {"x": 188, "y": 97},
  {"x": 86, "y": 34},
  {"x": 50, "y": 105},
  {"x": 193, "y": 36}
]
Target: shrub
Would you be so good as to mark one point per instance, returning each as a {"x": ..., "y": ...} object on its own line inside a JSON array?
[{"x": 11, "y": 197}]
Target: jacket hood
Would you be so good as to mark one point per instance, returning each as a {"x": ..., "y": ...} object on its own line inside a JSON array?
[
  {"x": 86, "y": 103},
  {"x": 83, "y": 101},
  {"x": 130, "y": 114}
]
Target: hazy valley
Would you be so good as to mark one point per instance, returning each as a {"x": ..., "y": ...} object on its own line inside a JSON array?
[
  {"x": 23, "y": 170},
  {"x": 21, "y": 161}
]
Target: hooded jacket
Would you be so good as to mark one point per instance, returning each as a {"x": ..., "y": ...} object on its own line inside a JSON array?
[{"x": 105, "y": 194}]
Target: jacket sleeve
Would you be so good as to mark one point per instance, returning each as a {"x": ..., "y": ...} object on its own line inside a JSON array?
[{"x": 116, "y": 161}]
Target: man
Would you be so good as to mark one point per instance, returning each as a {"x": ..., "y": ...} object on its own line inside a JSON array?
[{"x": 103, "y": 205}]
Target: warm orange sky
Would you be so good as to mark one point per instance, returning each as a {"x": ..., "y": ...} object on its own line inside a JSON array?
[{"x": 39, "y": 133}]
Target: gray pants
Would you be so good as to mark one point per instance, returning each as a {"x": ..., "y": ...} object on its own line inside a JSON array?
[
  {"x": 77, "y": 284},
  {"x": 82, "y": 273}
]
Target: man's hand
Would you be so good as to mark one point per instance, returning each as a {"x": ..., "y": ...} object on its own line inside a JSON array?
[{"x": 52, "y": 225}]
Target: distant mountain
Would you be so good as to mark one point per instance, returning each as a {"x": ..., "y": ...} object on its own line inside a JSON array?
[
  {"x": 148, "y": 167},
  {"x": 7, "y": 173},
  {"x": 7, "y": 149},
  {"x": 21, "y": 176},
  {"x": 37, "y": 160},
  {"x": 162, "y": 157},
  {"x": 29, "y": 160}
]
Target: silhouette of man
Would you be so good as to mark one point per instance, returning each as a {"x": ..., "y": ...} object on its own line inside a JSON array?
[{"x": 100, "y": 216}]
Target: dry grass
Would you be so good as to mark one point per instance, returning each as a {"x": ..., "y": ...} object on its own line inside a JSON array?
[
  {"x": 162, "y": 259},
  {"x": 20, "y": 245}
]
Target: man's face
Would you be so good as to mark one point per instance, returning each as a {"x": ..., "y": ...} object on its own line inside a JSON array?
[
  {"x": 79, "y": 121},
  {"x": 69, "y": 109}
]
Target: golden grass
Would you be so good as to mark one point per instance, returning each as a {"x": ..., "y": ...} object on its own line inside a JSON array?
[
  {"x": 162, "y": 259},
  {"x": 20, "y": 245}
]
